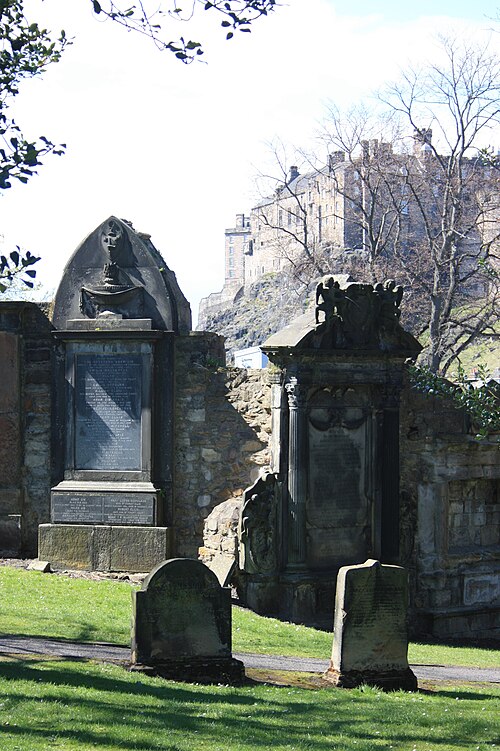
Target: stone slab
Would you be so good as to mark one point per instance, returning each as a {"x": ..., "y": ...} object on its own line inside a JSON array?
[
  {"x": 108, "y": 407},
  {"x": 9, "y": 386},
  {"x": 109, "y": 324},
  {"x": 103, "y": 508},
  {"x": 226, "y": 670},
  {"x": 10, "y": 535},
  {"x": 103, "y": 547},
  {"x": 223, "y": 567}
]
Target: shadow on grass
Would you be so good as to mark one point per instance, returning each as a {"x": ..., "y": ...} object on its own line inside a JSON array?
[
  {"x": 101, "y": 706},
  {"x": 84, "y": 636}
]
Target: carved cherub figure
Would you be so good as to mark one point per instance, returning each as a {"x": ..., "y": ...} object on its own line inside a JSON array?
[
  {"x": 390, "y": 298},
  {"x": 329, "y": 298}
]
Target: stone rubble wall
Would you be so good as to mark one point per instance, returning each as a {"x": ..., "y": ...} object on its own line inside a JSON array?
[
  {"x": 450, "y": 523},
  {"x": 450, "y": 482},
  {"x": 25, "y": 405},
  {"x": 220, "y": 532},
  {"x": 223, "y": 426}
]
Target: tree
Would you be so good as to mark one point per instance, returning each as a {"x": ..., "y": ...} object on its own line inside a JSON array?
[
  {"x": 147, "y": 19},
  {"x": 25, "y": 51},
  {"x": 455, "y": 194},
  {"x": 366, "y": 170},
  {"x": 418, "y": 197}
]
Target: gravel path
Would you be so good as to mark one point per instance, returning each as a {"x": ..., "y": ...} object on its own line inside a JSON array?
[{"x": 19, "y": 645}]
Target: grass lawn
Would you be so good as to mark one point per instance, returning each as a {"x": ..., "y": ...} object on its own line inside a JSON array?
[
  {"x": 68, "y": 705},
  {"x": 35, "y": 604},
  {"x": 77, "y": 706}
]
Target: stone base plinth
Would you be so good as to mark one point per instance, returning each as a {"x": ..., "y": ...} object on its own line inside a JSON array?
[
  {"x": 197, "y": 670},
  {"x": 475, "y": 623},
  {"x": 104, "y": 548},
  {"x": 296, "y": 597},
  {"x": 392, "y": 680}
]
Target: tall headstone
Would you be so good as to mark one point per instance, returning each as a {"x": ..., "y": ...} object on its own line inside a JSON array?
[
  {"x": 370, "y": 643},
  {"x": 181, "y": 626},
  {"x": 117, "y": 311}
]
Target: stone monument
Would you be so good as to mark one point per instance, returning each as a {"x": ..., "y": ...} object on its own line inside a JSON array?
[
  {"x": 333, "y": 496},
  {"x": 181, "y": 626},
  {"x": 370, "y": 643},
  {"x": 117, "y": 311}
]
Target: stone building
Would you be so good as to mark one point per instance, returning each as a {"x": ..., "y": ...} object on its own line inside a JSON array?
[{"x": 353, "y": 208}]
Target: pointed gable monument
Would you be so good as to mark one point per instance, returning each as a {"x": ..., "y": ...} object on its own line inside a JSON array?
[{"x": 117, "y": 311}]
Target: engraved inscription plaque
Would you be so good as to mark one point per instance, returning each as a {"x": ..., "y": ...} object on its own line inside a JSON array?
[
  {"x": 104, "y": 508},
  {"x": 108, "y": 406},
  {"x": 337, "y": 509},
  {"x": 336, "y": 475}
]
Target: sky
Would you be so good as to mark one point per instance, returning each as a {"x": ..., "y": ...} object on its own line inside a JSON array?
[{"x": 175, "y": 149}]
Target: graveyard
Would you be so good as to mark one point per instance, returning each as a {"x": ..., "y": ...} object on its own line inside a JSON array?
[
  {"x": 198, "y": 517},
  {"x": 81, "y": 704}
]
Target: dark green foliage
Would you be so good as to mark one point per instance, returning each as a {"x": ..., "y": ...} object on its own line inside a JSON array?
[
  {"x": 482, "y": 404},
  {"x": 17, "y": 265},
  {"x": 25, "y": 51}
]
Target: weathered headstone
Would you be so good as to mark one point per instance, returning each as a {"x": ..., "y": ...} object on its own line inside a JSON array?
[
  {"x": 370, "y": 642},
  {"x": 181, "y": 626}
]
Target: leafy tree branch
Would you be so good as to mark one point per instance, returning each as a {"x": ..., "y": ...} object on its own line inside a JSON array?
[{"x": 149, "y": 19}]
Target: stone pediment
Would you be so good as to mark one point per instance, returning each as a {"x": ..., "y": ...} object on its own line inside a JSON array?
[{"x": 117, "y": 272}]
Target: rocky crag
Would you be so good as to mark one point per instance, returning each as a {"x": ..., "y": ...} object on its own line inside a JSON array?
[{"x": 259, "y": 311}]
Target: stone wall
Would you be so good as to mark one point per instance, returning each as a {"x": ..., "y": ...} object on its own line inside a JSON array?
[
  {"x": 450, "y": 482},
  {"x": 450, "y": 487},
  {"x": 25, "y": 399},
  {"x": 217, "y": 302},
  {"x": 223, "y": 425}
]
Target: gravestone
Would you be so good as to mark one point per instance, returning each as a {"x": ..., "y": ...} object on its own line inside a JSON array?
[
  {"x": 370, "y": 642},
  {"x": 116, "y": 313},
  {"x": 335, "y": 452},
  {"x": 181, "y": 627}
]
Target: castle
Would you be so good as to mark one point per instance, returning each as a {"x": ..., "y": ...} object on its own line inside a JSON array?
[{"x": 357, "y": 207}]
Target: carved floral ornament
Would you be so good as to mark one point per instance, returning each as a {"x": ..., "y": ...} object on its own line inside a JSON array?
[{"x": 297, "y": 393}]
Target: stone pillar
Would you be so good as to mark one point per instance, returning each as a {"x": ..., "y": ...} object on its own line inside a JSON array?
[
  {"x": 297, "y": 475},
  {"x": 389, "y": 455}
]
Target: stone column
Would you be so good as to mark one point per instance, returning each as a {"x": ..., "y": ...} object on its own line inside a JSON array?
[
  {"x": 297, "y": 475},
  {"x": 389, "y": 456}
]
